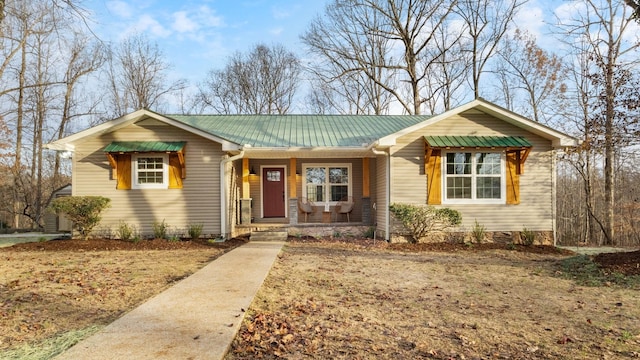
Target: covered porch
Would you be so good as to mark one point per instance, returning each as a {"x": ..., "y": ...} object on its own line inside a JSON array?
[{"x": 306, "y": 195}]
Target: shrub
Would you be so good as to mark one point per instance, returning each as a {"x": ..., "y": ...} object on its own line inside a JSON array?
[
  {"x": 195, "y": 230},
  {"x": 370, "y": 233},
  {"x": 83, "y": 211},
  {"x": 528, "y": 236},
  {"x": 478, "y": 232},
  {"x": 174, "y": 236},
  {"x": 421, "y": 220},
  {"x": 456, "y": 237},
  {"x": 127, "y": 232},
  {"x": 160, "y": 229}
]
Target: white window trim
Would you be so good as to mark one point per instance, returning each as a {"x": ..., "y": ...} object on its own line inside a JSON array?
[
  {"x": 165, "y": 171},
  {"x": 473, "y": 200},
  {"x": 327, "y": 189}
]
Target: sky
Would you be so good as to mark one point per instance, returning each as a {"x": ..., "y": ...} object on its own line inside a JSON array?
[
  {"x": 199, "y": 35},
  {"x": 196, "y": 36}
]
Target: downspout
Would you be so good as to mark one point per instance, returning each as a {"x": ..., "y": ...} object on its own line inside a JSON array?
[
  {"x": 554, "y": 194},
  {"x": 387, "y": 190},
  {"x": 223, "y": 192}
]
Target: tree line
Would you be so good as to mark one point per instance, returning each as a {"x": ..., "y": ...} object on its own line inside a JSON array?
[{"x": 368, "y": 57}]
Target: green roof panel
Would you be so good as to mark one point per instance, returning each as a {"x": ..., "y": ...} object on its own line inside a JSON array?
[
  {"x": 144, "y": 146},
  {"x": 477, "y": 141},
  {"x": 300, "y": 131}
]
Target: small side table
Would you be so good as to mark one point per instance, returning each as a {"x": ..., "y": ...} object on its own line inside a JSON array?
[{"x": 326, "y": 217}]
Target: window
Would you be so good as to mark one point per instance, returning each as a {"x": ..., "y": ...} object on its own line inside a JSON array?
[
  {"x": 273, "y": 175},
  {"x": 150, "y": 171},
  {"x": 474, "y": 176},
  {"x": 327, "y": 183}
]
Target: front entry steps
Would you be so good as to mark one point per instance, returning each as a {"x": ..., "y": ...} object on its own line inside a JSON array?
[{"x": 269, "y": 235}]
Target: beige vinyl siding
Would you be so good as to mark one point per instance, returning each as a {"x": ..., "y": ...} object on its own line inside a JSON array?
[
  {"x": 536, "y": 197},
  {"x": 197, "y": 202},
  {"x": 382, "y": 207}
]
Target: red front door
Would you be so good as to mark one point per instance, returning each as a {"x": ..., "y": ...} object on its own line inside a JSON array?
[{"x": 273, "y": 192}]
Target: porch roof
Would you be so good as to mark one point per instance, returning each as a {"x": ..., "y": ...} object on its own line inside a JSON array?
[
  {"x": 144, "y": 146},
  {"x": 478, "y": 141},
  {"x": 301, "y": 131}
]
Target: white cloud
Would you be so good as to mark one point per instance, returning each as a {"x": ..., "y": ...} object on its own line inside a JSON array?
[
  {"x": 531, "y": 19},
  {"x": 276, "y": 31},
  {"x": 120, "y": 8},
  {"x": 576, "y": 13},
  {"x": 182, "y": 23},
  {"x": 568, "y": 11},
  {"x": 146, "y": 23},
  {"x": 280, "y": 13},
  {"x": 208, "y": 18}
]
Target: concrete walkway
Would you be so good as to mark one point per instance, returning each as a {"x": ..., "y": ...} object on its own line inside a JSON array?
[{"x": 195, "y": 319}]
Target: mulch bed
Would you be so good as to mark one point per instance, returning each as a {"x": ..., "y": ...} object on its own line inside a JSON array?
[
  {"x": 627, "y": 263},
  {"x": 108, "y": 245},
  {"x": 440, "y": 247},
  {"x": 456, "y": 247}
]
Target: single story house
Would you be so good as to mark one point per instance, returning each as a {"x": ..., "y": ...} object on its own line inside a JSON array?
[{"x": 231, "y": 173}]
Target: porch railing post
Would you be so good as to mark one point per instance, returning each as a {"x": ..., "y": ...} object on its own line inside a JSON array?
[
  {"x": 293, "y": 211},
  {"x": 245, "y": 211}
]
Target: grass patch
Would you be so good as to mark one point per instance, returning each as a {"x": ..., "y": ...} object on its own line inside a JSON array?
[
  {"x": 585, "y": 272},
  {"x": 51, "y": 347}
]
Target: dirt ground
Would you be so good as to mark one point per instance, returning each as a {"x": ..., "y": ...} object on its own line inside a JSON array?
[
  {"x": 344, "y": 301},
  {"x": 49, "y": 288}
]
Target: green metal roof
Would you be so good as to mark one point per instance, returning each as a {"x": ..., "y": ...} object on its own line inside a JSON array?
[
  {"x": 145, "y": 146},
  {"x": 305, "y": 131},
  {"x": 477, "y": 141}
]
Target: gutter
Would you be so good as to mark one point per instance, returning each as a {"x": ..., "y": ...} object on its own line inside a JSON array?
[
  {"x": 223, "y": 192},
  {"x": 387, "y": 190},
  {"x": 554, "y": 196}
]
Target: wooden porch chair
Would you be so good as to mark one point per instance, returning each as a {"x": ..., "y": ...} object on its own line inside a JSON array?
[
  {"x": 306, "y": 206},
  {"x": 344, "y": 206}
]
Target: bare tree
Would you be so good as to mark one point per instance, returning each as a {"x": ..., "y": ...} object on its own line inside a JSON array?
[
  {"x": 353, "y": 81},
  {"x": 602, "y": 25},
  {"x": 487, "y": 21},
  {"x": 445, "y": 86},
  {"x": 84, "y": 59},
  {"x": 33, "y": 44},
  {"x": 635, "y": 7},
  {"x": 263, "y": 81},
  {"x": 400, "y": 31},
  {"x": 137, "y": 76},
  {"x": 25, "y": 24},
  {"x": 533, "y": 71}
]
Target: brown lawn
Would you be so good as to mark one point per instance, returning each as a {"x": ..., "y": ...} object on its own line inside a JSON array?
[
  {"x": 328, "y": 300},
  {"x": 53, "y": 287},
  {"x": 352, "y": 300}
]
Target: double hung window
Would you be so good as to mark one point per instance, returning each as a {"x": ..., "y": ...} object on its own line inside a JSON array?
[
  {"x": 474, "y": 177},
  {"x": 327, "y": 183},
  {"x": 150, "y": 171}
]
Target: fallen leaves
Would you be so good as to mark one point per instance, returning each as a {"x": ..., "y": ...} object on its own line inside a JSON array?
[
  {"x": 48, "y": 293},
  {"x": 341, "y": 301}
]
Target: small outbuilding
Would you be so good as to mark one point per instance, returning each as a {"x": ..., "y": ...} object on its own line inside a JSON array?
[{"x": 57, "y": 223}]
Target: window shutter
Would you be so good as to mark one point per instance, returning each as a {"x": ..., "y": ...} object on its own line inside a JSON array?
[
  {"x": 434, "y": 178},
  {"x": 175, "y": 172},
  {"x": 513, "y": 178},
  {"x": 123, "y": 170}
]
